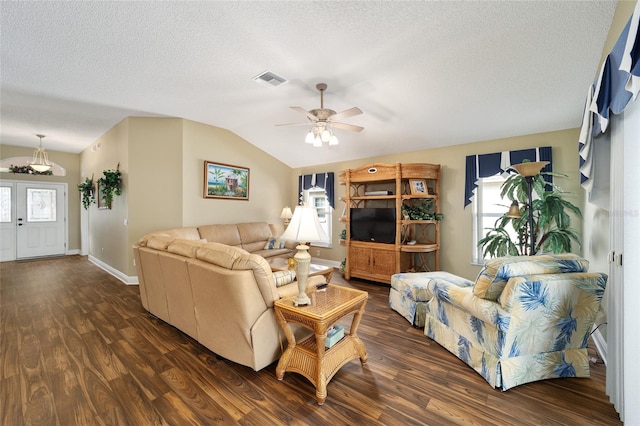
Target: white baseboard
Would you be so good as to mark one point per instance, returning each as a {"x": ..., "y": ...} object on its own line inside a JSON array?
[
  {"x": 601, "y": 345},
  {"x": 119, "y": 275},
  {"x": 73, "y": 252}
]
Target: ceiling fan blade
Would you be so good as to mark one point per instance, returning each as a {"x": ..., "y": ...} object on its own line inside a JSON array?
[
  {"x": 305, "y": 112},
  {"x": 344, "y": 126},
  {"x": 295, "y": 124},
  {"x": 346, "y": 113}
]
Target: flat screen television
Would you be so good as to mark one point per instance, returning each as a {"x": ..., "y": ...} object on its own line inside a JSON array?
[{"x": 376, "y": 224}]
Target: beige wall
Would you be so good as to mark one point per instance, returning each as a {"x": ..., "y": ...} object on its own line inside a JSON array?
[
  {"x": 155, "y": 177},
  {"x": 456, "y": 228},
  {"x": 107, "y": 232},
  {"x": 71, "y": 162},
  {"x": 162, "y": 165},
  {"x": 269, "y": 178}
]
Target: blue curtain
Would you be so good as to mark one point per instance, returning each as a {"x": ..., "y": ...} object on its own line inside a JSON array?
[
  {"x": 317, "y": 180},
  {"x": 485, "y": 165},
  {"x": 617, "y": 84}
]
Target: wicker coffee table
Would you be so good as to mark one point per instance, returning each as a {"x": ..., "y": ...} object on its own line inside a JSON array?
[
  {"x": 282, "y": 264},
  {"x": 309, "y": 356}
]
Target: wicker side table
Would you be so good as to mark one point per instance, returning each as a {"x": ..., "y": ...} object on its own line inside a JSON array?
[{"x": 309, "y": 356}]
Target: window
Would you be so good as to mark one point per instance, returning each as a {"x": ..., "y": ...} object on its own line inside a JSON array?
[
  {"x": 317, "y": 197},
  {"x": 41, "y": 205},
  {"x": 5, "y": 204},
  {"x": 488, "y": 206}
]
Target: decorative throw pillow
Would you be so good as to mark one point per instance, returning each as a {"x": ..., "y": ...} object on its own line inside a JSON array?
[
  {"x": 496, "y": 272},
  {"x": 284, "y": 277},
  {"x": 274, "y": 243}
]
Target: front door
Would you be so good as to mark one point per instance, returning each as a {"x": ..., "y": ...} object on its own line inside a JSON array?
[{"x": 40, "y": 219}]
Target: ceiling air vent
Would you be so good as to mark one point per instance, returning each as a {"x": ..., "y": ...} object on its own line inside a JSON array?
[{"x": 270, "y": 79}]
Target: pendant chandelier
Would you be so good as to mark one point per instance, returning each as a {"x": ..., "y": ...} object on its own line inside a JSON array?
[{"x": 40, "y": 160}]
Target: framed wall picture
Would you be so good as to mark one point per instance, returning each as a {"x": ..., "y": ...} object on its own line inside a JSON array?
[
  {"x": 418, "y": 186},
  {"x": 226, "y": 181}
]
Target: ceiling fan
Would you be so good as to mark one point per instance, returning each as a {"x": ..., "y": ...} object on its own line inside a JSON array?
[{"x": 325, "y": 119}]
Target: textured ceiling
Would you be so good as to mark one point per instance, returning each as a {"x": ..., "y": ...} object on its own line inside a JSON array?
[{"x": 426, "y": 74}]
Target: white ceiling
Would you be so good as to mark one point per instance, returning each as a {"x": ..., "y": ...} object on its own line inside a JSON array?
[{"x": 426, "y": 74}]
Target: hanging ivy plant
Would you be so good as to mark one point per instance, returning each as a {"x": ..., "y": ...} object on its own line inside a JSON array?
[
  {"x": 88, "y": 194},
  {"x": 110, "y": 184}
]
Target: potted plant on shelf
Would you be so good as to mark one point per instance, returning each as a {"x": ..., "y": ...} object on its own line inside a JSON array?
[
  {"x": 551, "y": 219},
  {"x": 110, "y": 184},
  {"x": 86, "y": 188},
  {"x": 422, "y": 210}
]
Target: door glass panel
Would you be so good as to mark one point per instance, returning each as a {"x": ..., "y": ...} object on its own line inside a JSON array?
[
  {"x": 5, "y": 204},
  {"x": 41, "y": 205}
]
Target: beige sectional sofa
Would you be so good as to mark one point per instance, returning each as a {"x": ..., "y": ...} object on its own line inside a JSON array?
[
  {"x": 219, "y": 294},
  {"x": 252, "y": 237}
]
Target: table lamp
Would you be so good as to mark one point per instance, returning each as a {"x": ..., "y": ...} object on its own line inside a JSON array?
[
  {"x": 304, "y": 228},
  {"x": 286, "y": 215}
]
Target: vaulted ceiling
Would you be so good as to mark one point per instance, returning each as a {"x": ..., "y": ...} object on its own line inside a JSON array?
[{"x": 426, "y": 74}]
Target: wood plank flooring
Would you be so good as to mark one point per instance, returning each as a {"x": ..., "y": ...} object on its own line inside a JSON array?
[{"x": 76, "y": 348}]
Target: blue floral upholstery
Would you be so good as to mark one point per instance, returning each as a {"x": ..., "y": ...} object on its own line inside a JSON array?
[
  {"x": 536, "y": 329},
  {"x": 496, "y": 272},
  {"x": 409, "y": 293}
]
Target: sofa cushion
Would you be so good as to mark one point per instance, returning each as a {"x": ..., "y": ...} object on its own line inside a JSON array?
[
  {"x": 274, "y": 243},
  {"x": 284, "y": 277},
  {"x": 223, "y": 234},
  {"x": 185, "y": 248},
  {"x": 177, "y": 233},
  {"x": 496, "y": 272},
  {"x": 220, "y": 254},
  {"x": 159, "y": 242},
  {"x": 254, "y": 235}
]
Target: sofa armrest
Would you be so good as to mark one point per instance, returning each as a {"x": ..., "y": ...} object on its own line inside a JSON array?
[
  {"x": 552, "y": 312},
  {"x": 463, "y": 298}
]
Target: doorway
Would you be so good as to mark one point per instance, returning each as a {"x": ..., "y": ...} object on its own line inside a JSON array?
[{"x": 33, "y": 219}]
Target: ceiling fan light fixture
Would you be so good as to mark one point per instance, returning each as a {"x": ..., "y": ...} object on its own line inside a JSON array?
[
  {"x": 323, "y": 120},
  {"x": 40, "y": 161},
  {"x": 325, "y": 135},
  {"x": 310, "y": 137}
]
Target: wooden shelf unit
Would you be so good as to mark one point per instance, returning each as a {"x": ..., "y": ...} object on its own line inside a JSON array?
[{"x": 378, "y": 261}]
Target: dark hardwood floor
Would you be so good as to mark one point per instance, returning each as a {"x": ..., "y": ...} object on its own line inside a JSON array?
[{"x": 77, "y": 348}]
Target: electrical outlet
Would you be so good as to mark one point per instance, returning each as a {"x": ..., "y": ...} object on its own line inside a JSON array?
[
  {"x": 102, "y": 250},
  {"x": 317, "y": 252}
]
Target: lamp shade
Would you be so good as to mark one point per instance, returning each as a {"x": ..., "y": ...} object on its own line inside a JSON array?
[
  {"x": 286, "y": 213},
  {"x": 304, "y": 226},
  {"x": 529, "y": 169},
  {"x": 514, "y": 210}
]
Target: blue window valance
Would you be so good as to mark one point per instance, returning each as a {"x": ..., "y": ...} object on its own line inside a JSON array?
[
  {"x": 486, "y": 165},
  {"x": 317, "y": 180},
  {"x": 617, "y": 84}
]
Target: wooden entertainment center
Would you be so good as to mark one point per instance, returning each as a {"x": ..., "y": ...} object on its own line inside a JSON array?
[{"x": 412, "y": 189}]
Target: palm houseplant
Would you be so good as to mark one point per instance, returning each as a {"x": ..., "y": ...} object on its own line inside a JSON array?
[{"x": 539, "y": 215}]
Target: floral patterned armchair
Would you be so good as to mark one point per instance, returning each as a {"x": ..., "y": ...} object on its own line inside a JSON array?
[{"x": 524, "y": 319}]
